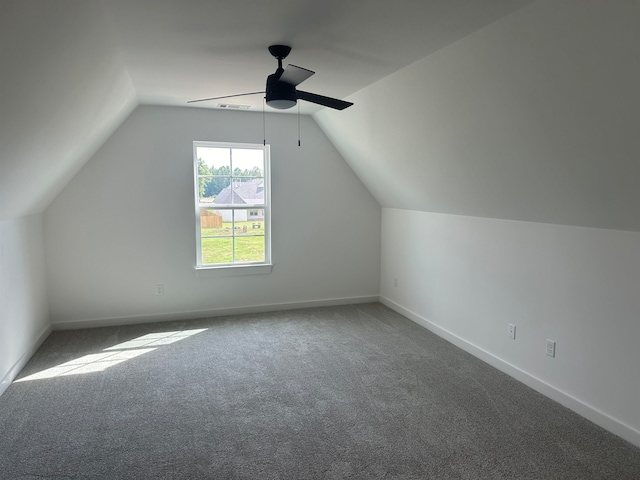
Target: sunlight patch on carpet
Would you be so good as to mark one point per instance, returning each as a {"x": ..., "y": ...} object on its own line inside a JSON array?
[{"x": 98, "y": 362}]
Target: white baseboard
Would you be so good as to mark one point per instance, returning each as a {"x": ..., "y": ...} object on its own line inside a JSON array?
[
  {"x": 587, "y": 411},
  {"x": 217, "y": 312},
  {"x": 22, "y": 361}
]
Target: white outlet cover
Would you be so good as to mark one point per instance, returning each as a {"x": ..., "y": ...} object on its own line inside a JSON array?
[{"x": 551, "y": 348}]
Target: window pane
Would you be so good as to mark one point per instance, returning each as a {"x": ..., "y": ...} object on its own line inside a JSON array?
[
  {"x": 215, "y": 223},
  {"x": 254, "y": 224},
  {"x": 212, "y": 159},
  {"x": 246, "y": 191},
  {"x": 212, "y": 189},
  {"x": 249, "y": 249},
  {"x": 217, "y": 250},
  {"x": 204, "y": 194},
  {"x": 248, "y": 162}
]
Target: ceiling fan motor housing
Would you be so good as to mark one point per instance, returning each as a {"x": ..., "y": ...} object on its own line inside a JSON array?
[{"x": 280, "y": 95}]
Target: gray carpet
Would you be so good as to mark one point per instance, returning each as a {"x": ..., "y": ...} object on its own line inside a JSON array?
[{"x": 346, "y": 392}]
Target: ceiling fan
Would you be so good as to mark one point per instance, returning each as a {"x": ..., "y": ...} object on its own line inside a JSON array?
[{"x": 281, "y": 92}]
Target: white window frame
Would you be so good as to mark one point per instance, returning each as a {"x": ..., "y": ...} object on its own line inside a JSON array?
[{"x": 244, "y": 267}]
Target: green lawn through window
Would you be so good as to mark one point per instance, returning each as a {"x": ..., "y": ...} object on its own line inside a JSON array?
[{"x": 248, "y": 243}]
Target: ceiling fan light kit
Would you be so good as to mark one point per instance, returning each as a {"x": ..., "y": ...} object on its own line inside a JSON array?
[{"x": 281, "y": 93}]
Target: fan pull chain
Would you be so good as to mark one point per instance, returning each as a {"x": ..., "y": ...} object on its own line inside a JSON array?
[
  {"x": 298, "y": 123},
  {"x": 264, "y": 128}
]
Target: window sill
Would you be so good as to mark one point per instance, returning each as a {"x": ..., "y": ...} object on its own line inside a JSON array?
[{"x": 233, "y": 270}]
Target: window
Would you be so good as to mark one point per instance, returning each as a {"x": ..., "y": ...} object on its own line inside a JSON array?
[{"x": 232, "y": 190}]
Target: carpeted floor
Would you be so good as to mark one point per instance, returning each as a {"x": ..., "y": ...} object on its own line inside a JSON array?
[{"x": 344, "y": 392}]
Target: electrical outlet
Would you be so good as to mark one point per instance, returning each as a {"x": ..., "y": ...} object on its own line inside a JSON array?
[
  {"x": 159, "y": 290},
  {"x": 512, "y": 331},
  {"x": 551, "y": 348},
  {"x": 395, "y": 282}
]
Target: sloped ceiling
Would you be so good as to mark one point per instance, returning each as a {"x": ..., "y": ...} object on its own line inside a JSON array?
[
  {"x": 72, "y": 70},
  {"x": 534, "y": 117},
  {"x": 63, "y": 90}
]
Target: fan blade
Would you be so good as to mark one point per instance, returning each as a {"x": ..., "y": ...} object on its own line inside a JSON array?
[
  {"x": 322, "y": 100},
  {"x": 294, "y": 75},
  {"x": 226, "y": 96}
]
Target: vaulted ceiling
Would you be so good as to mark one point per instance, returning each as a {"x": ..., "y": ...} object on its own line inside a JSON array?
[
  {"x": 176, "y": 51},
  {"x": 73, "y": 70}
]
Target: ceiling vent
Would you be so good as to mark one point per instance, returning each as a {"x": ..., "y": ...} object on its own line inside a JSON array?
[{"x": 234, "y": 106}]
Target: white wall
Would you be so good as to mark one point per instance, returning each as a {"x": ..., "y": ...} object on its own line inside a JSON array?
[
  {"x": 467, "y": 278},
  {"x": 126, "y": 223},
  {"x": 24, "y": 320},
  {"x": 533, "y": 118}
]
